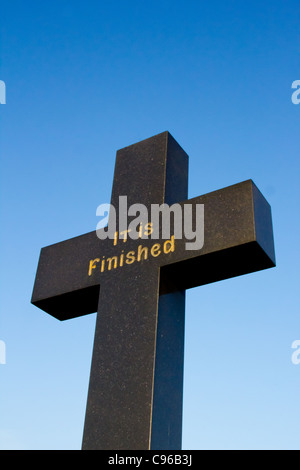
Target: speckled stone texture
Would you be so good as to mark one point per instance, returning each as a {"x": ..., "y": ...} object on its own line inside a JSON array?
[{"x": 136, "y": 380}]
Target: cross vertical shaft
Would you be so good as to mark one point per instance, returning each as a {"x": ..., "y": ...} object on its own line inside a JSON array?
[{"x": 137, "y": 366}]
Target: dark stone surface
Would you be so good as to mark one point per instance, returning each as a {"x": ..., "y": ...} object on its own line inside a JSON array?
[{"x": 135, "y": 392}]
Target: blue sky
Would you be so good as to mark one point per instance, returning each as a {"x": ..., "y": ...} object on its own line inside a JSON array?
[{"x": 84, "y": 79}]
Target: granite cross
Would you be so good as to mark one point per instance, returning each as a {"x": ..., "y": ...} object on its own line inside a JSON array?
[{"x": 138, "y": 289}]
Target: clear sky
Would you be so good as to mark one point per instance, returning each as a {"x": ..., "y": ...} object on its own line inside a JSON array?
[{"x": 84, "y": 79}]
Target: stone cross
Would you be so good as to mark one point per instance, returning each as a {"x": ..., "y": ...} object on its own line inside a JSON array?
[{"x": 137, "y": 287}]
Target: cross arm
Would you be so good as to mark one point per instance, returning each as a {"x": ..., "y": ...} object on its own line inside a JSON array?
[
  {"x": 62, "y": 287},
  {"x": 238, "y": 239}
]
